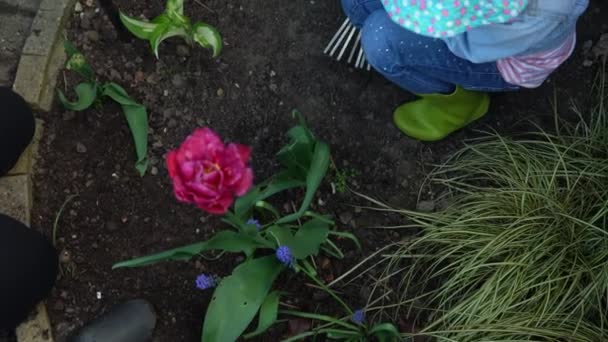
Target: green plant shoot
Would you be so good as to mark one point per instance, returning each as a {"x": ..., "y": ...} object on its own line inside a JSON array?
[
  {"x": 90, "y": 91},
  {"x": 173, "y": 23}
]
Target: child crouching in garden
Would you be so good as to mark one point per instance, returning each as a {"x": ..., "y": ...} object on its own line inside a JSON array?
[{"x": 452, "y": 52}]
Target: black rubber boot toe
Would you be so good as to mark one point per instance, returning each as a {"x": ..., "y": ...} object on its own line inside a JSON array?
[
  {"x": 17, "y": 127},
  {"x": 133, "y": 321}
]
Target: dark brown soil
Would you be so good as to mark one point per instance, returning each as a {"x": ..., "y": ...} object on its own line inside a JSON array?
[{"x": 272, "y": 63}]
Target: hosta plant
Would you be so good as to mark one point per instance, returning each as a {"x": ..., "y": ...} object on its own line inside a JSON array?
[
  {"x": 90, "y": 92},
  {"x": 211, "y": 174},
  {"x": 173, "y": 23}
]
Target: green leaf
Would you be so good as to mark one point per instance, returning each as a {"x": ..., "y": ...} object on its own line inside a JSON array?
[
  {"x": 175, "y": 6},
  {"x": 282, "y": 236},
  {"x": 323, "y": 318},
  {"x": 340, "y": 334},
  {"x": 279, "y": 183},
  {"x": 316, "y": 173},
  {"x": 307, "y": 240},
  {"x": 238, "y": 298},
  {"x": 86, "y": 94},
  {"x": 174, "y": 10},
  {"x": 208, "y": 37},
  {"x": 140, "y": 29},
  {"x": 225, "y": 240},
  {"x": 77, "y": 62},
  {"x": 349, "y": 236},
  {"x": 268, "y": 207},
  {"x": 269, "y": 311},
  {"x": 165, "y": 29},
  {"x": 385, "y": 332},
  {"x": 70, "y": 49},
  {"x": 297, "y": 115},
  {"x": 296, "y": 157},
  {"x": 137, "y": 118}
]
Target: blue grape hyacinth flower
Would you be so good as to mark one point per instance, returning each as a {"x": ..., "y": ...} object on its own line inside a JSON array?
[
  {"x": 358, "y": 316},
  {"x": 205, "y": 282},
  {"x": 254, "y": 222},
  {"x": 284, "y": 255}
]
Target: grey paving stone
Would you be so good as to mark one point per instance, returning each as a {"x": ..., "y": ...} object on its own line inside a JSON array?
[
  {"x": 14, "y": 29},
  {"x": 30, "y": 78},
  {"x": 30, "y": 6},
  {"x": 37, "y": 328},
  {"x": 15, "y": 199},
  {"x": 44, "y": 33}
]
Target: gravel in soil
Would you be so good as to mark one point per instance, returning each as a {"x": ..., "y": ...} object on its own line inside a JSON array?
[{"x": 271, "y": 64}]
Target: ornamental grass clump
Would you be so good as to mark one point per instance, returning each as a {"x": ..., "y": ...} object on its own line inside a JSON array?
[{"x": 520, "y": 252}]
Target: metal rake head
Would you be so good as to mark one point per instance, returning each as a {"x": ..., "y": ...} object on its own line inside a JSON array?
[{"x": 343, "y": 40}]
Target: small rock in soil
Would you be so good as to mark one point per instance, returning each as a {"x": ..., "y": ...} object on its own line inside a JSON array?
[
  {"x": 69, "y": 115},
  {"x": 115, "y": 75},
  {"x": 85, "y": 21},
  {"x": 80, "y": 148},
  {"x": 154, "y": 171},
  {"x": 139, "y": 76},
  {"x": 77, "y": 7},
  {"x": 111, "y": 226},
  {"x": 406, "y": 169},
  {"x": 59, "y": 305},
  {"x": 426, "y": 206},
  {"x": 178, "y": 81},
  {"x": 92, "y": 36},
  {"x": 183, "y": 51},
  {"x": 587, "y": 47},
  {"x": 346, "y": 217},
  {"x": 199, "y": 265},
  {"x": 65, "y": 257},
  {"x": 365, "y": 292},
  {"x": 601, "y": 48},
  {"x": 220, "y": 92}
]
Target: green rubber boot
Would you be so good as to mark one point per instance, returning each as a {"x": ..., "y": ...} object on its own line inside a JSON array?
[{"x": 435, "y": 116}]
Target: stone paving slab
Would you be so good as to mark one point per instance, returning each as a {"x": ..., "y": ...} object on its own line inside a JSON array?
[
  {"x": 37, "y": 328},
  {"x": 55, "y": 65},
  {"x": 15, "y": 198},
  {"x": 20, "y": 5},
  {"x": 14, "y": 29},
  {"x": 42, "y": 57}
]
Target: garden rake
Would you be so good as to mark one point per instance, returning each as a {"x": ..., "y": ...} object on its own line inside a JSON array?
[{"x": 348, "y": 35}]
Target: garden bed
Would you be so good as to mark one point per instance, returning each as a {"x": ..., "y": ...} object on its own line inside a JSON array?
[{"x": 272, "y": 63}]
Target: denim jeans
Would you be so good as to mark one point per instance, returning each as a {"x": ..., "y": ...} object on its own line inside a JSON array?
[{"x": 417, "y": 63}]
